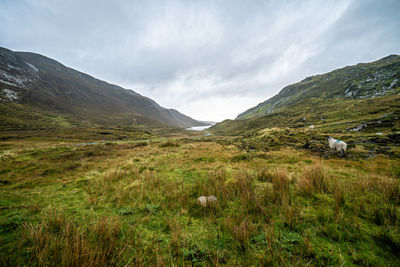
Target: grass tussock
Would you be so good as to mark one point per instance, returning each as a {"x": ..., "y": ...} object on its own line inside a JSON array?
[
  {"x": 58, "y": 241},
  {"x": 313, "y": 180},
  {"x": 390, "y": 189}
]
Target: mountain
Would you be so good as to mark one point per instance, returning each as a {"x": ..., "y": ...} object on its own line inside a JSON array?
[
  {"x": 39, "y": 92},
  {"x": 341, "y": 100}
]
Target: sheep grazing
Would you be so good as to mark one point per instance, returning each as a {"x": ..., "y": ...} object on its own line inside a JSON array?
[
  {"x": 204, "y": 201},
  {"x": 311, "y": 127},
  {"x": 337, "y": 145}
]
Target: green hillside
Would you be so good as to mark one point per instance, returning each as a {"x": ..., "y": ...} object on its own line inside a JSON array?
[{"x": 364, "y": 97}]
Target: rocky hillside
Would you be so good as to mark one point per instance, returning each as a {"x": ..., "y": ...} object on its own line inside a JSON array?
[
  {"x": 365, "y": 80},
  {"x": 38, "y": 92},
  {"x": 364, "y": 97}
]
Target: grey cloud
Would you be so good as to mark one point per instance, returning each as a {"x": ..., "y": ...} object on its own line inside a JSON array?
[{"x": 229, "y": 55}]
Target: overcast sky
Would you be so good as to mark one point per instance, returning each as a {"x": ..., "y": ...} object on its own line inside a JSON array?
[{"x": 209, "y": 59}]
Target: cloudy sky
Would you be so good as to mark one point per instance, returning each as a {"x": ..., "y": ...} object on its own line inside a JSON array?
[{"x": 209, "y": 59}]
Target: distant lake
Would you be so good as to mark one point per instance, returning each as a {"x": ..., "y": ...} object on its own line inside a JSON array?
[{"x": 199, "y": 128}]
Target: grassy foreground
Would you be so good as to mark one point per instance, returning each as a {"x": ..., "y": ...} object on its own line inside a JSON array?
[{"x": 134, "y": 203}]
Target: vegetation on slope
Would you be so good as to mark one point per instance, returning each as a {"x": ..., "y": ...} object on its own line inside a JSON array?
[
  {"x": 362, "y": 115},
  {"x": 365, "y": 80},
  {"x": 357, "y": 99}
]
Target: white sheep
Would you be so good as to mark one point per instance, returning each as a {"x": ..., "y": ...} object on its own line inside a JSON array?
[
  {"x": 337, "y": 145},
  {"x": 204, "y": 201}
]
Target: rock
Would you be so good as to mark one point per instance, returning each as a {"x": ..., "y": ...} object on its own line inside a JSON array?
[
  {"x": 9, "y": 94},
  {"x": 384, "y": 116},
  {"x": 358, "y": 127},
  {"x": 206, "y": 200}
]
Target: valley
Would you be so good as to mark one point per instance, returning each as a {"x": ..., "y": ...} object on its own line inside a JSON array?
[{"x": 92, "y": 174}]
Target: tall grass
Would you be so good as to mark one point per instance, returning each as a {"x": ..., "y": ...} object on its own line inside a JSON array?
[
  {"x": 390, "y": 189},
  {"x": 58, "y": 241},
  {"x": 313, "y": 180},
  {"x": 139, "y": 208}
]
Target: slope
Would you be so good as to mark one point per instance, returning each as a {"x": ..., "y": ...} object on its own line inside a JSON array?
[
  {"x": 38, "y": 92},
  {"x": 360, "y": 97}
]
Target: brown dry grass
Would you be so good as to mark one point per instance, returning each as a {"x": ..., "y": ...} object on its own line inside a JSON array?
[
  {"x": 313, "y": 180},
  {"x": 58, "y": 241}
]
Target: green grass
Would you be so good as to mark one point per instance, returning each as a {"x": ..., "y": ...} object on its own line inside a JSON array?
[
  {"x": 134, "y": 202},
  {"x": 332, "y": 116}
]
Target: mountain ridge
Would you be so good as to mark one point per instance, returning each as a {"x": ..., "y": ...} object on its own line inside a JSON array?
[
  {"x": 267, "y": 107},
  {"x": 45, "y": 89},
  {"x": 365, "y": 96}
]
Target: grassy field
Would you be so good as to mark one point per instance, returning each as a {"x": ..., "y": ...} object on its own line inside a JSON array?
[{"x": 133, "y": 202}]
